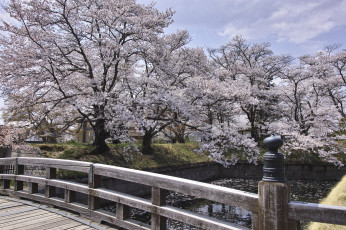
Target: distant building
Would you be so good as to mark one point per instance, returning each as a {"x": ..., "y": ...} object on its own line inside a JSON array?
[
  {"x": 50, "y": 136},
  {"x": 34, "y": 139}
]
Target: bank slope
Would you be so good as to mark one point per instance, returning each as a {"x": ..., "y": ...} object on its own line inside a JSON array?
[{"x": 337, "y": 196}]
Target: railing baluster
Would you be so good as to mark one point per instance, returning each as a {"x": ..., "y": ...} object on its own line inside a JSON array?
[
  {"x": 33, "y": 188},
  {"x": 158, "y": 198},
  {"x": 69, "y": 196},
  {"x": 6, "y": 184},
  {"x": 94, "y": 182},
  {"x": 123, "y": 211},
  {"x": 50, "y": 174},
  {"x": 18, "y": 170}
]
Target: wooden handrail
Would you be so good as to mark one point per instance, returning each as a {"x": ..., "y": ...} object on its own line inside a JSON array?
[
  {"x": 211, "y": 192},
  {"x": 160, "y": 183},
  {"x": 317, "y": 212}
]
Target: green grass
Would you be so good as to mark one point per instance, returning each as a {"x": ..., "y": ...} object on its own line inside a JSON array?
[
  {"x": 124, "y": 155},
  {"x": 163, "y": 155},
  {"x": 337, "y": 196},
  {"x": 69, "y": 150}
]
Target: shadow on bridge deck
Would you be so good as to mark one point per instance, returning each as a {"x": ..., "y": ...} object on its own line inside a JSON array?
[{"x": 22, "y": 214}]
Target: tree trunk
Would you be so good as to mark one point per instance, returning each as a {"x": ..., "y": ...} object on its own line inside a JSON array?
[
  {"x": 116, "y": 141},
  {"x": 84, "y": 132},
  {"x": 100, "y": 137},
  {"x": 179, "y": 138},
  {"x": 146, "y": 143},
  {"x": 254, "y": 132}
]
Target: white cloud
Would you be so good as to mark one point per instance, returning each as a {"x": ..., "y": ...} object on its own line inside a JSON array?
[
  {"x": 4, "y": 16},
  {"x": 293, "y": 21}
]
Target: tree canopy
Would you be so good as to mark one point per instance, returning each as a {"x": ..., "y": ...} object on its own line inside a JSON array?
[{"x": 109, "y": 63}]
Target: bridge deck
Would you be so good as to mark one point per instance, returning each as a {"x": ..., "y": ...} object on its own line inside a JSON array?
[{"x": 21, "y": 214}]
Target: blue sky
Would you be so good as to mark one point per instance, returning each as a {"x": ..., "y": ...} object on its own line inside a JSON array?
[{"x": 292, "y": 27}]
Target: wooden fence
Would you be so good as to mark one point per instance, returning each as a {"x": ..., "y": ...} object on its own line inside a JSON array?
[{"x": 292, "y": 212}]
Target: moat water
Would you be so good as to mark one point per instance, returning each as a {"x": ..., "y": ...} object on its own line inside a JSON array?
[{"x": 301, "y": 190}]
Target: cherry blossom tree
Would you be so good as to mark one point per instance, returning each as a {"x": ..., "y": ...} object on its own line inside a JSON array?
[
  {"x": 53, "y": 122},
  {"x": 255, "y": 66},
  {"x": 156, "y": 93},
  {"x": 10, "y": 136},
  {"x": 330, "y": 69},
  {"x": 308, "y": 116},
  {"x": 110, "y": 64},
  {"x": 216, "y": 131},
  {"x": 303, "y": 103},
  {"x": 76, "y": 55}
]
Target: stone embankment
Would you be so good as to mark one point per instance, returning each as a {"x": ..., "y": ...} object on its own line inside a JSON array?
[{"x": 209, "y": 171}]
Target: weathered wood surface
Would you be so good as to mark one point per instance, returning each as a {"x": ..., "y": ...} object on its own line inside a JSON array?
[
  {"x": 79, "y": 166},
  {"x": 157, "y": 208},
  {"x": 18, "y": 214},
  {"x": 291, "y": 212},
  {"x": 8, "y": 161},
  {"x": 273, "y": 200},
  {"x": 216, "y": 193},
  {"x": 317, "y": 213}
]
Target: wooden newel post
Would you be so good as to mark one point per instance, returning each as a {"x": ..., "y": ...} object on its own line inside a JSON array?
[{"x": 273, "y": 190}]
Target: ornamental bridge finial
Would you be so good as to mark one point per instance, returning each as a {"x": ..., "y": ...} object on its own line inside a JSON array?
[{"x": 273, "y": 160}]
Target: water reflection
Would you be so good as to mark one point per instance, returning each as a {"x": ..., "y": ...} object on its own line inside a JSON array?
[{"x": 227, "y": 213}]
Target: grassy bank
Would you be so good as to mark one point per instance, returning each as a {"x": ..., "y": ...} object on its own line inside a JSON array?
[
  {"x": 337, "y": 196},
  {"x": 163, "y": 155}
]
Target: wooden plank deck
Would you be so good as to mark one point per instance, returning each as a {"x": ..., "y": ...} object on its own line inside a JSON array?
[{"x": 26, "y": 215}]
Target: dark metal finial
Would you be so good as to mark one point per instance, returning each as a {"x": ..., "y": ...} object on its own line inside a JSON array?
[
  {"x": 273, "y": 160},
  {"x": 273, "y": 143}
]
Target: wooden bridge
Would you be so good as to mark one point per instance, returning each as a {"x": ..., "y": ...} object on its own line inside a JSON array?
[
  {"x": 21, "y": 214},
  {"x": 36, "y": 179}
]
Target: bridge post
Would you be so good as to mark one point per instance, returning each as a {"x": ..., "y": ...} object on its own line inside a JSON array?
[{"x": 273, "y": 190}]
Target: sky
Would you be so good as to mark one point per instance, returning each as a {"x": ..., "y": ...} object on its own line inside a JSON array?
[{"x": 293, "y": 27}]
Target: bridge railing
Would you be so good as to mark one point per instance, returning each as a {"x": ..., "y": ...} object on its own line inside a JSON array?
[
  {"x": 271, "y": 209},
  {"x": 156, "y": 206}
]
